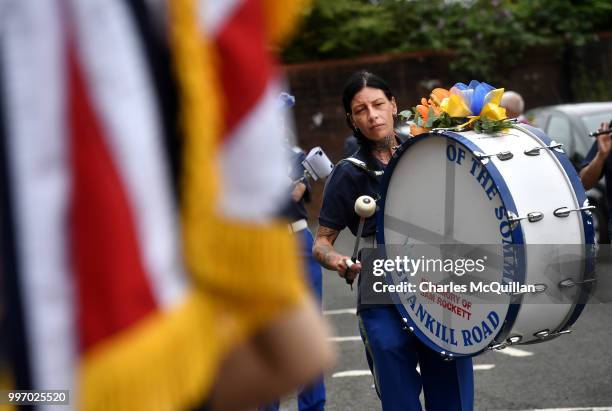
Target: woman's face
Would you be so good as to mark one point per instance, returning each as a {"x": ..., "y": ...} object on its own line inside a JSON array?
[{"x": 372, "y": 113}]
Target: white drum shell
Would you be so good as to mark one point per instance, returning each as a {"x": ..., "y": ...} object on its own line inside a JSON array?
[{"x": 417, "y": 195}]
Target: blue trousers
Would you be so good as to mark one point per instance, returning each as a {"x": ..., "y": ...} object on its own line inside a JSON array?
[
  {"x": 311, "y": 398},
  {"x": 393, "y": 354}
]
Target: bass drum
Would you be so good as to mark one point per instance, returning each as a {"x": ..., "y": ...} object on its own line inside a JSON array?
[{"x": 515, "y": 192}]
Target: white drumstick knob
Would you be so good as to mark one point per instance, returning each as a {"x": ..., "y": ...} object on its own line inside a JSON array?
[{"x": 365, "y": 206}]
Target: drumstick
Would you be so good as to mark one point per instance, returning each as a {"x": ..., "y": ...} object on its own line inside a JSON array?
[
  {"x": 599, "y": 133},
  {"x": 365, "y": 207}
]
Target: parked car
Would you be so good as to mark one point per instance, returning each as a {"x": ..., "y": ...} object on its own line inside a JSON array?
[{"x": 571, "y": 124}]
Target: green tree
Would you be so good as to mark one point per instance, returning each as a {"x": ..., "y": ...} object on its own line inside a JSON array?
[{"x": 484, "y": 37}]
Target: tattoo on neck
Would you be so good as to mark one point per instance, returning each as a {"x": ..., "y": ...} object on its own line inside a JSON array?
[{"x": 385, "y": 144}]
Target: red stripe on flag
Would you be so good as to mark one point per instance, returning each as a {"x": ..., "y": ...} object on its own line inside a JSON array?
[
  {"x": 246, "y": 64},
  {"x": 112, "y": 289}
]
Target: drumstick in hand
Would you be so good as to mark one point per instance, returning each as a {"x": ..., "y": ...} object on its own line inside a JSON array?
[{"x": 365, "y": 207}]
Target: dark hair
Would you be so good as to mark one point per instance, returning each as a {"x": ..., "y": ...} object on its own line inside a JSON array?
[{"x": 355, "y": 83}]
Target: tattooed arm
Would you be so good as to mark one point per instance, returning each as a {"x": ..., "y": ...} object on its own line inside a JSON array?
[{"x": 324, "y": 252}]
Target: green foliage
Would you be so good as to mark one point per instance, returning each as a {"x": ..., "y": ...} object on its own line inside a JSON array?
[
  {"x": 485, "y": 36},
  {"x": 490, "y": 127},
  {"x": 588, "y": 86}
]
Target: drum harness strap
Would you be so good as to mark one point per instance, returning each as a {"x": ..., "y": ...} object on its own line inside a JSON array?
[{"x": 360, "y": 164}]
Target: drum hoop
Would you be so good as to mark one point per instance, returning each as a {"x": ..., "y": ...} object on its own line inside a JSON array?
[
  {"x": 517, "y": 238},
  {"x": 587, "y": 223}
]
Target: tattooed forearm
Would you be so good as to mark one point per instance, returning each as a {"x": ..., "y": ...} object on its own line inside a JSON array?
[
  {"x": 323, "y": 250},
  {"x": 325, "y": 255},
  {"x": 328, "y": 233}
]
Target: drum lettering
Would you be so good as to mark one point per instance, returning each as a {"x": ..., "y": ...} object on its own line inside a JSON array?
[
  {"x": 467, "y": 338},
  {"x": 492, "y": 191},
  {"x": 509, "y": 261},
  {"x": 451, "y": 152},
  {"x": 453, "y": 340},
  {"x": 493, "y": 318},
  {"x": 477, "y": 334},
  {"x": 429, "y": 322},
  {"x": 421, "y": 313},
  {"x": 461, "y": 156},
  {"x": 454, "y": 154},
  {"x": 444, "y": 338},
  {"x": 484, "y": 178},
  {"x": 475, "y": 164},
  {"x": 500, "y": 212},
  {"x": 504, "y": 229},
  {"x": 411, "y": 301},
  {"x": 486, "y": 331}
]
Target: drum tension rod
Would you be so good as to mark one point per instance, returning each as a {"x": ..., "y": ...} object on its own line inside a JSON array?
[
  {"x": 562, "y": 212},
  {"x": 553, "y": 146},
  {"x": 502, "y": 156},
  {"x": 546, "y": 334},
  {"x": 568, "y": 282}
]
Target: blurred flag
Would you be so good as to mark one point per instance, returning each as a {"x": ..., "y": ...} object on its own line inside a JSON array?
[{"x": 92, "y": 253}]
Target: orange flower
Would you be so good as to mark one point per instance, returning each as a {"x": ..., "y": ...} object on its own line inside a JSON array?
[
  {"x": 437, "y": 95},
  {"x": 435, "y": 99},
  {"x": 423, "y": 109},
  {"x": 416, "y": 130}
]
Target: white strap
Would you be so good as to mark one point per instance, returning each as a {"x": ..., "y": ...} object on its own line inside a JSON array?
[
  {"x": 363, "y": 166},
  {"x": 298, "y": 225}
]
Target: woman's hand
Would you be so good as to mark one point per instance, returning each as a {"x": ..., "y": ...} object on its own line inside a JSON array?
[
  {"x": 340, "y": 264},
  {"x": 351, "y": 271},
  {"x": 604, "y": 142},
  {"x": 590, "y": 174}
]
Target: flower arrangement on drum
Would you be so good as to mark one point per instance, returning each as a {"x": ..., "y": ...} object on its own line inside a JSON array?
[{"x": 474, "y": 106}]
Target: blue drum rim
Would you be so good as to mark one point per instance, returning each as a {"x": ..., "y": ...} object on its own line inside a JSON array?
[
  {"x": 517, "y": 236},
  {"x": 587, "y": 221}
]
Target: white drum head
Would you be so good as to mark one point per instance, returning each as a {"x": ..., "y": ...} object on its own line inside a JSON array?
[{"x": 443, "y": 198}]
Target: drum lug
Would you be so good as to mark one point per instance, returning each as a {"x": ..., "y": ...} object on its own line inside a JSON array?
[
  {"x": 406, "y": 327},
  {"x": 558, "y": 147},
  {"x": 563, "y": 212},
  {"x": 535, "y": 216},
  {"x": 531, "y": 217},
  {"x": 446, "y": 356},
  {"x": 515, "y": 339},
  {"x": 569, "y": 283},
  {"x": 539, "y": 288},
  {"x": 546, "y": 334},
  {"x": 502, "y": 156},
  {"x": 535, "y": 151}
]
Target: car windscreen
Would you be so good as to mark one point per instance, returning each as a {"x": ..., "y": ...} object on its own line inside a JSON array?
[{"x": 593, "y": 121}]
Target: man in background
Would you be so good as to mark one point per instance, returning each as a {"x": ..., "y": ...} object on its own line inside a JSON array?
[{"x": 514, "y": 105}]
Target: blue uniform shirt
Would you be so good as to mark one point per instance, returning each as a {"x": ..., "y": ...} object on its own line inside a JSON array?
[
  {"x": 347, "y": 183},
  {"x": 607, "y": 173}
]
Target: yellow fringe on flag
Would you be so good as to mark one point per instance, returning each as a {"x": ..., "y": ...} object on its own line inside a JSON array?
[
  {"x": 244, "y": 274},
  {"x": 281, "y": 18},
  {"x": 250, "y": 266},
  {"x": 165, "y": 362}
]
